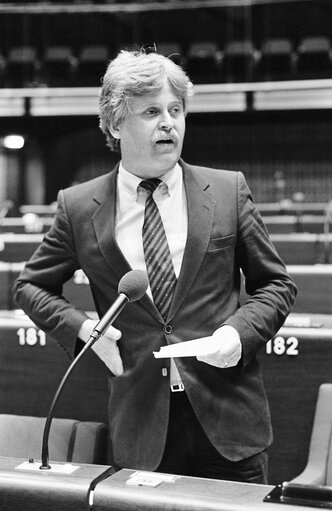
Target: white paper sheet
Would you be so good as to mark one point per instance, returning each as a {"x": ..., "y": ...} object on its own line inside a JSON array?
[{"x": 202, "y": 346}]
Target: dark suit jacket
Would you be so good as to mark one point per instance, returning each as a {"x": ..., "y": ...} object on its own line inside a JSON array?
[{"x": 225, "y": 233}]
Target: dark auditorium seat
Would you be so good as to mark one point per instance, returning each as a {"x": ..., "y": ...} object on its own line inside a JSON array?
[
  {"x": 203, "y": 61},
  {"x": 239, "y": 60},
  {"x": 318, "y": 470},
  {"x": 58, "y": 66},
  {"x": 91, "y": 65},
  {"x": 22, "y": 67},
  {"x": 70, "y": 440},
  {"x": 314, "y": 59},
  {"x": 276, "y": 60}
]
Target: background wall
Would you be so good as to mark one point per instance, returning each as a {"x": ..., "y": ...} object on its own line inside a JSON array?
[{"x": 292, "y": 146}]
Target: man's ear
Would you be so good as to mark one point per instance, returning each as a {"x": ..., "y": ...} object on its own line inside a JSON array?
[{"x": 115, "y": 131}]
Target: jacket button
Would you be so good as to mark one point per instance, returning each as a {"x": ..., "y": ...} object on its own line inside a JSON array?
[{"x": 168, "y": 329}]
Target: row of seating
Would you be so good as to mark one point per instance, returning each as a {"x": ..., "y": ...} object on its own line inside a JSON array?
[
  {"x": 281, "y": 207},
  {"x": 205, "y": 61},
  {"x": 298, "y": 358},
  {"x": 276, "y": 224},
  {"x": 294, "y": 248},
  {"x": 314, "y": 283},
  {"x": 76, "y": 290}
]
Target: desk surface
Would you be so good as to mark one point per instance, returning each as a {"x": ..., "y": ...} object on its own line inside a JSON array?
[
  {"x": 184, "y": 493},
  {"x": 29, "y": 489},
  {"x": 32, "y": 489}
]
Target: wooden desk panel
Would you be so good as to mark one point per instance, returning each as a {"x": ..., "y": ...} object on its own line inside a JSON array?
[
  {"x": 4, "y": 286},
  {"x": 32, "y": 365},
  {"x": 293, "y": 248},
  {"x": 288, "y": 207},
  {"x": 314, "y": 286},
  {"x": 314, "y": 283},
  {"x": 303, "y": 248},
  {"x": 25, "y": 225},
  {"x": 18, "y": 247},
  {"x": 76, "y": 290},
  {"x": 286, "y": 224},
  {"x": 294, "y": 364}
]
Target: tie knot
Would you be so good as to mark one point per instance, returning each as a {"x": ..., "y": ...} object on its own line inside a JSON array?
[{"x": 150, "y": 184}]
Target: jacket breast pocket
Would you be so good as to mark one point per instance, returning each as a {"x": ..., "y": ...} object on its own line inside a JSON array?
[{"x": 222, "y": 243}]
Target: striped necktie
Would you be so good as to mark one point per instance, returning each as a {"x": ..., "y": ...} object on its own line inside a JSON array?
[{"x": 158, "y": 259}]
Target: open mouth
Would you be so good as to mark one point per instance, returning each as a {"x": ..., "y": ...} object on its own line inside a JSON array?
[{"x": 167, "y": 141}]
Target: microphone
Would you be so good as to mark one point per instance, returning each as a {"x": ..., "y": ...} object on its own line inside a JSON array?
[{"x": 132, "y": 287}]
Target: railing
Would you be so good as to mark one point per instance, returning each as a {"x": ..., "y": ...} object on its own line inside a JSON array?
[{"x": 235, "y": 97}]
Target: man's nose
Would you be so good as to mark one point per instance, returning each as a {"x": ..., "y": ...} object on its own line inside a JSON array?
[{"x": 166, "y": 122}]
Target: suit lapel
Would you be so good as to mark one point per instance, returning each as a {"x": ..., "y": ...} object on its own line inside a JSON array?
[
  {"x": 201, "y": 208},
  {"x": 104, "y": 225}
]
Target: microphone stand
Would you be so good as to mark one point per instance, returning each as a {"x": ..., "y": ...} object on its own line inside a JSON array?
[
  {"x": 132, "y": 287},
  {"x": 45, "y": 454},
  {"x": 98, "y": 331}
]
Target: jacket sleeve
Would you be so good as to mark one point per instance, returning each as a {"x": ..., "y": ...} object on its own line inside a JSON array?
[
  {"x": 38, "y": 289},
  {"x": 270, "y": 288}
]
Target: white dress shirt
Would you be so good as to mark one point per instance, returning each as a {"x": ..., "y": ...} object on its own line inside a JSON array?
[{"x": 170, "y": 198}]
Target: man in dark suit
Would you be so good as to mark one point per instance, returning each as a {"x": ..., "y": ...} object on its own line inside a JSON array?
[{"x": 207, "y": 415}]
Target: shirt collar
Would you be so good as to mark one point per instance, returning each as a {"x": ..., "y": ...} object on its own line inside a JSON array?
[{"x": 130, "y": 182}]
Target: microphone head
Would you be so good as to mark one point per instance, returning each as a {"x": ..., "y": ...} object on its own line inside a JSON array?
[{"x": 133, "y": 284}]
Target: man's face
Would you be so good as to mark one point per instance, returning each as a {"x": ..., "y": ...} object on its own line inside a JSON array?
[{"x": 152, "y": 135}]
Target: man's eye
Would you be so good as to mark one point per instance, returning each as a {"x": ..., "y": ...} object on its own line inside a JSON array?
[
  {"x": 151, "y": 111},
  {"x": 176, "y": 110}
]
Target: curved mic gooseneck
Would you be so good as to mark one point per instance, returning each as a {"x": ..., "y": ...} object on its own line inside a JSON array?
[{"x": 132, "y": 287}]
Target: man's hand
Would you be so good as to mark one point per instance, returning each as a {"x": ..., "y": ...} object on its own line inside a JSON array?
[
  {"x": 228, "y": 351},
  {"x": 106, "y": 347}
]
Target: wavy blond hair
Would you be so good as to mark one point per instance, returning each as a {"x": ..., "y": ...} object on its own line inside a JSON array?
[{"x": 131, "y": 74}]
